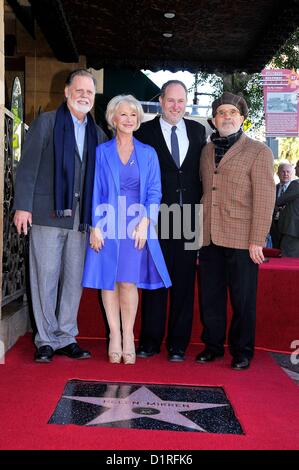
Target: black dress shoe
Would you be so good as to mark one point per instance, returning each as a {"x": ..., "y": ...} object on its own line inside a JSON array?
[
  {"x": 240, "y": 363},
  {"x": 144, "y": 353},
  {"x": 74, "y": 351},
  {"x": 208, "y": 356},
  {"x": 44, "y": 354},
  {"x": 176, "y": 356}
]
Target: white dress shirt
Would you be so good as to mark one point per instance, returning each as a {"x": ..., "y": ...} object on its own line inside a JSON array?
[
  {"x": 79, "y": 129},
  {"x": 181, "y": 134}
]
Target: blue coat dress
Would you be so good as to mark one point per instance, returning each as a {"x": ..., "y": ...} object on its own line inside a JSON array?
[{"x": 100, "y": 268}]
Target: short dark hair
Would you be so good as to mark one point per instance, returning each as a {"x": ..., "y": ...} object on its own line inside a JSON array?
[
  {"x": 172, "y": 82},
  {"x": 80, "y": 73}
]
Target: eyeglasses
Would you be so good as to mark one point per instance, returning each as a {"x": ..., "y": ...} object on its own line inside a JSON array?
[{"x": 229, "y": 112}]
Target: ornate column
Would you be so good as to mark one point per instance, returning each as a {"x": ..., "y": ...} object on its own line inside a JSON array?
[
  {"x": 2, "y": 102},
  {"x": 14, "y": 320}
]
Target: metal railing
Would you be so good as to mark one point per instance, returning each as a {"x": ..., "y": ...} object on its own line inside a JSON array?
[{"x": 14, "y": 247}]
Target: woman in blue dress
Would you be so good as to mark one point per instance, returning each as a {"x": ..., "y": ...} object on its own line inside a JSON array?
[{"x": 124, "y": 253}]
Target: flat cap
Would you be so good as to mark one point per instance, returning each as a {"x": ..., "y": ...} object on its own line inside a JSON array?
[{"x": 229, "y": 98}]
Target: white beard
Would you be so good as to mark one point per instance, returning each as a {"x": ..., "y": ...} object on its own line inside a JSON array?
[
  {"x": 225, "y": 131},
  {"x": 80, "y": 108}
]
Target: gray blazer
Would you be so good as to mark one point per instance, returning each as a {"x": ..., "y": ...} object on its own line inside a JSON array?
[
  {"x": 288, "y": 222},
  {"x": 34, "y": 186}
]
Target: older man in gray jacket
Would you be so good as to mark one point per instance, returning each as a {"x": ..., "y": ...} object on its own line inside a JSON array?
[{"x": 53, "y": 196}]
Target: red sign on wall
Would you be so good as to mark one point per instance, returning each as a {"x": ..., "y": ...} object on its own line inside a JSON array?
[{"x": 281, "y": 92}]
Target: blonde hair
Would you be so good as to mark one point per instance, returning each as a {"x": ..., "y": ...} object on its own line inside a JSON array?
[{"x": 114, "y": 104}]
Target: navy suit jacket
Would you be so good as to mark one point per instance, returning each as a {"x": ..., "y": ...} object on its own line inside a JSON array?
[{"x": 185, "y": 178}]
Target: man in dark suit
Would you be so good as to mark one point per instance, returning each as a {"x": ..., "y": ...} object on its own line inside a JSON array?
[
  {"x": 178, "y": 143},
  {"x": 53, "y": 196},
  {"x": 288, "y": 222},
  {"x": 285, "y": 173}
]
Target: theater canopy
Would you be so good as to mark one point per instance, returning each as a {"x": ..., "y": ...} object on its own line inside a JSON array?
[{"x": 213, "y": 35}]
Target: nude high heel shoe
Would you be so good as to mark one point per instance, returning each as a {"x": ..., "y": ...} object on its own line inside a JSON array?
[
  {"x": 115, "y": 357},
  {"x": 115, "y": 349},
  {"x": 129, "y": 358},
  {"x": 129, "y": 345}
]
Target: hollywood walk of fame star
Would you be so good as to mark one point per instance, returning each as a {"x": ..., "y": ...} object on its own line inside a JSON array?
[{"x": 143, "y": 403}]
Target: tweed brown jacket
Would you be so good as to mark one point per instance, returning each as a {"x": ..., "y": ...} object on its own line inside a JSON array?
[{"x": 239, "y": 195}]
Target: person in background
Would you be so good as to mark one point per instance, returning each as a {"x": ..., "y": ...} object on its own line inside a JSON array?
[
  {"x": 124, "y": 251},
  {"x": 288, "y": 223},
  {"x": 178, "y": 143},
  {"x": 238, "y": 201},
  {"x": 285, "y": 173},
  {"x": 53, "y": 196}
]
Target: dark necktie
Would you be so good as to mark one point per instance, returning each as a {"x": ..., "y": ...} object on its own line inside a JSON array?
[
  {"x": 175, "y": 151},
  {"x": 282, "y": 189},
  {"x": 277, "y": 211}
]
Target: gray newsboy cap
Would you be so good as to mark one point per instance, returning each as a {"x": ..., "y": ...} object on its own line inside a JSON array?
[{"x": 229, "y": 98}]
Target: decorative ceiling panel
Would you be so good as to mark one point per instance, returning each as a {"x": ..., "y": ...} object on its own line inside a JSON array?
[{"x": 211, "y": 35}]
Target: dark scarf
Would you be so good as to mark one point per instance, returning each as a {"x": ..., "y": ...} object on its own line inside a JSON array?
[
  {"x": 64, "y": 166},
  {"x": 222, "y": 144}
]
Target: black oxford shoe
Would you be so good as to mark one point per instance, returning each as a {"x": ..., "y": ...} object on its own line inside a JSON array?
[
  {"x": 44, "y": 354},
  {"x": 74, "y": 351},
  {"x": 144, "y": 353},
  {"x": 207, "y": 356},
  {"x": 176, "y": 356},
  {"x": 240, "y": 363}
]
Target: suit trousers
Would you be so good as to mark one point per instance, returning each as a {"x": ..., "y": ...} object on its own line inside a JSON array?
[
  {"x": 56, "y": 259},
  {"x": 289, "y": 246},
  {"x": 221, "y": 270},
  {"x": 181, "y": 265},
  {"x": 275, "y": 234}
]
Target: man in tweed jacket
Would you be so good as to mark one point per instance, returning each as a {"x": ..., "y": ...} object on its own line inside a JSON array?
[{"x": 238, "y": 201}]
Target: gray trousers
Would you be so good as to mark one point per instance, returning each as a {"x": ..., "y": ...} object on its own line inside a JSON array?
[{"x": 56, "y": 260}]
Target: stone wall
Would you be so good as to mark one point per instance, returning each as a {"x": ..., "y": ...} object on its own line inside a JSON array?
[
  {"x": 44, "y": 84},
  {"x": 44, "y": 74}
]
